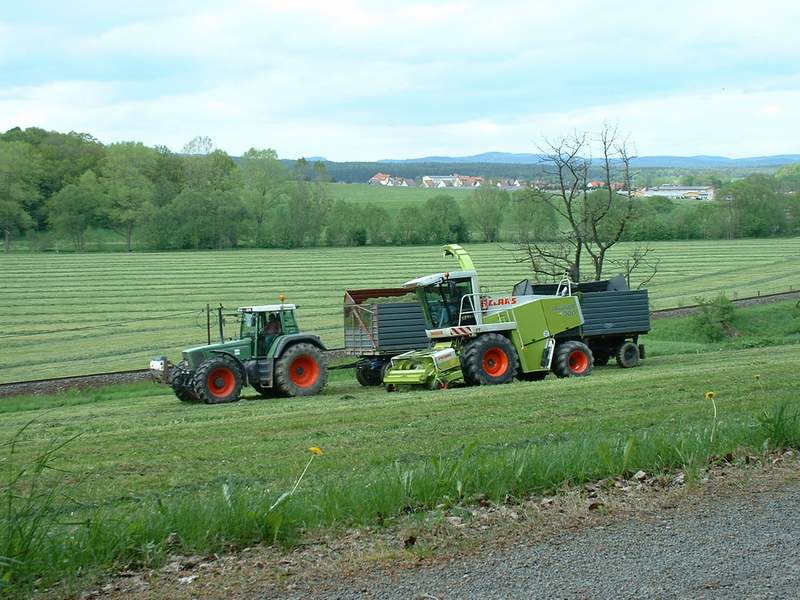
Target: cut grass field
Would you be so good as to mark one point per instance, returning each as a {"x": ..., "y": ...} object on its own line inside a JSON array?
[
  {"x": 145, "y": 466},
  {"x": 75, "y": 314}
]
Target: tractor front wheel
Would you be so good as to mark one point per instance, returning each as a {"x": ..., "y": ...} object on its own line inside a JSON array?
[
  {"x": 489, "y": 359},
  {"x": 181, "y": 384},
  {"x": 218, "y": 380},
  {"x": 301, "y": 371},
  {"x": 572, "y": 359}
]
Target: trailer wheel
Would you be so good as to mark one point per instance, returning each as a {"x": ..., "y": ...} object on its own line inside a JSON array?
[
  {"x": 489, "y": 359},
  {"x": 301, "y": 371},
  {"x": 218, "y": 380},
  {"x": 628, "y": 355},
  {"x": 572, "y": 359},
  {"x": 367, "y": 375}
]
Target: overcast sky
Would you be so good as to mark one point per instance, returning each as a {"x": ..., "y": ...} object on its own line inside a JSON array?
[{"x": 353, "y": 80}]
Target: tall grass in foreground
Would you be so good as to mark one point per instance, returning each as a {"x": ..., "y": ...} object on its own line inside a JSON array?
[{"x": 39, "y": 548}]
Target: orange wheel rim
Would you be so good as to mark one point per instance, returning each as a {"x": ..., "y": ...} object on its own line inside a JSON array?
[
  {"x": 304, "y": 371},
  {"x": 495, "y": 362},
  {"x": 578, "y": 361},
  {"x": 221, "y": 381}
]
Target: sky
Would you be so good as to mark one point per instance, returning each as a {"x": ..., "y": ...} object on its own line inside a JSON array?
[{"x": 367, "y": 80}]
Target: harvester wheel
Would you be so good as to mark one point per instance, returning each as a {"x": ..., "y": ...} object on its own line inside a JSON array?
[
  {"x": 572, "y": 359},
  {"x": 301, "y": 371},
  {"x": 489, "y": 359},
  {"x": 218, "y": 380},
  {"x": 628, "y": 355}
]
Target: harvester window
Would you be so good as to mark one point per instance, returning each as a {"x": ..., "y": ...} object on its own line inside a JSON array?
[{"x": 445, "y": 306}]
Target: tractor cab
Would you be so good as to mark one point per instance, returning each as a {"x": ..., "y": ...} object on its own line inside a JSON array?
[{"x": 262, "y": 325}]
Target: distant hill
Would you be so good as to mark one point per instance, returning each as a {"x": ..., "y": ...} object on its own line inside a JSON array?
[{"x": 673, "y": 162}]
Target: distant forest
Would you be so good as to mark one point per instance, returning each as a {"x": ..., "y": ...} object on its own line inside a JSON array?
[{"x": 62, "y": 186}]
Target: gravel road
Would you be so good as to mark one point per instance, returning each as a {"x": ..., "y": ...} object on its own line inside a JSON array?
[{"x": 746, "y": 546}]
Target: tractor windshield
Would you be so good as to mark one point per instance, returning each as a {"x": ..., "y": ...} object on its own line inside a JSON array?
[{"x": 447, "y": 303}]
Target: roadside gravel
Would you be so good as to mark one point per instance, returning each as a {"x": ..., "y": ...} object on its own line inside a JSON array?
[{"x": 745, "y": 546}]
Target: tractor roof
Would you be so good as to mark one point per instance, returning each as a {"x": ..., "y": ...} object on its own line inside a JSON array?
[
  {"x": 266, "y": 308},
  {"x": 437, "y": 277}
]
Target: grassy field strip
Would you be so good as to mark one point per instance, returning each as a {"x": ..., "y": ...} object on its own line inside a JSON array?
[
  {"x": 92, "y": 303},
  {"x": 138, "y": 440},
  {"x": 144, "y": 466}
]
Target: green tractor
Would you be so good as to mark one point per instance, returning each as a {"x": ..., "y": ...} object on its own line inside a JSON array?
[
  {"x": 270, "y": 354},
  {"x": 484, "y": 340}
]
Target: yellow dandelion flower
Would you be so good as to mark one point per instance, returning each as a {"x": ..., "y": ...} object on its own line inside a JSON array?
[
  {"x": 316, "y": 450},
  {"x": 711, "y": 395}
]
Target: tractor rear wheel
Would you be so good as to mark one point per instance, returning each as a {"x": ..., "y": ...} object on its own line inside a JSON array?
[
  {"x": 572, "y": 359},
  {"x": 628, "y": 355},
  {"x": 218, "y": 380},
  {"x": 489, "y": 359},
  {"x": 301, "y": 371}
]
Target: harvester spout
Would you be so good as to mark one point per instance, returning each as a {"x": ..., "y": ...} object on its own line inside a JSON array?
[{"x": 464, "y": 260}]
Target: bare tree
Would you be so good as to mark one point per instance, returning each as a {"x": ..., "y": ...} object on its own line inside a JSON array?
[
  {"x": 639, "y": 259},
  {"x": 592, "y": 221}
]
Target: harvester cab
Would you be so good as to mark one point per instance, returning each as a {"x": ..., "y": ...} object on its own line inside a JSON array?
[
  {"x": 270, "y": 354},
  {"x": 480, "y": 339}
]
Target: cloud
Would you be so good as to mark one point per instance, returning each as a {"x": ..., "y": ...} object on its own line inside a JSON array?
[{"x": 358, "y": 79}]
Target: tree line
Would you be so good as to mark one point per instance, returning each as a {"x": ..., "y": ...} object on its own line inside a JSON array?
[{"x": 153, "y": 198}]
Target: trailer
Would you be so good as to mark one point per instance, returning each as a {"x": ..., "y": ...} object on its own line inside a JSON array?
[
  {"x": 380, "y": 323},
  {"x": 614, "y": 317}
]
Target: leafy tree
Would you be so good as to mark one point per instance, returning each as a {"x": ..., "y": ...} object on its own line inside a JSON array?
[
  {"x": 129, "y": 190},
  {"x": 209, "y": 218},
  {"x": 789, "y": 178},
  {"x": 377, "y": 223},
  {"x": 308, "y": 205},
  {"x": 167, "y": 177},
  {"x": 442, "y": 220},
  {"x": 533, "y": 218},
  {"x": 13, "y": 218},
  {"x": 753, "y": 207},
  {"x": 409, "y": 228},
  {"x": 20, "y": 173},
  {"x": 76, "y": 207},
  {"x": 344, "y": 225},
  {"x": 265, "y": 184},
  {"x": 485, "y": 209}
]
